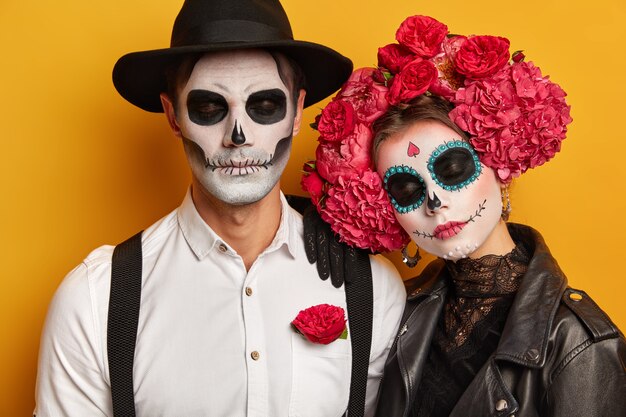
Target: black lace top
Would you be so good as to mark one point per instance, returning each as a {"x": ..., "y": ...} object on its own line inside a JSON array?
[{"x": 480, "y": 294}]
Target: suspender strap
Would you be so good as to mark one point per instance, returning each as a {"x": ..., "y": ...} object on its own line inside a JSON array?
[
  {"x": 122, "y": 323},
  {"x": 360, "y": 303}
]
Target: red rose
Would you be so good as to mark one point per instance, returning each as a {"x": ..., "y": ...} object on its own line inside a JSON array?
[
  {"x": 312, "y": 183},
  {"x": 394, "y": 57},
  {"x": 518, "y": 56},
  {"x": 336, "y": 121},
  {"x": 482, "y": 56},
  {"x": 366, "y": 96},
  {"x": 380, "y": 76},
  {"x": 422, "y": 35},
  {"x": 414, "y": 79},
  {"x": 323, "y": 323}
]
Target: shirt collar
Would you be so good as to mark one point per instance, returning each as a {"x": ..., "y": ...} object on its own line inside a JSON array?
[
  {"x": 289, "y": 231},
  {"x": 202, "y": 239}
]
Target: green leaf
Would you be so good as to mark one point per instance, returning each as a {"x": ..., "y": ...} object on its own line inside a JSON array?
[{"x": 344, "y": 335}]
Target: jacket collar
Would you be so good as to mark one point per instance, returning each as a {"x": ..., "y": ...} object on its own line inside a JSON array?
[
  {"x": 430, "y": 281},
  {"x": 525, "y": 336}
]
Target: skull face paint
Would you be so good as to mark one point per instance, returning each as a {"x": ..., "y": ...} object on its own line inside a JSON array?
[
  {"x": 236, "y": 117},
  {"x": 443, "y": 197}
]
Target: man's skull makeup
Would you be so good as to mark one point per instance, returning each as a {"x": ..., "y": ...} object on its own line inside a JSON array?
[
  {"x": 236, "y": 117},
  {"x": 446, "y": 200}
]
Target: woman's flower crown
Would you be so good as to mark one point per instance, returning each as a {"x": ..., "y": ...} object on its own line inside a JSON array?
[{"x": 515, "y": 117}]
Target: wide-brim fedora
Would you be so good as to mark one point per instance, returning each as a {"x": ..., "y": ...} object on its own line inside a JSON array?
[{"x": 218, "y": 25}]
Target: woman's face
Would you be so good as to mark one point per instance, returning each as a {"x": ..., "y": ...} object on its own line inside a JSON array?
[{"x": 446, "y": 200}]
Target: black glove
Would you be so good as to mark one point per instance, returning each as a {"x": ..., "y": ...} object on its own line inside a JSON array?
[{"x": 333, "y": 258}]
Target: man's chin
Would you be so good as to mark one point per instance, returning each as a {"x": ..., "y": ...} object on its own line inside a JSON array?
[{"x": 240, "y": 193}]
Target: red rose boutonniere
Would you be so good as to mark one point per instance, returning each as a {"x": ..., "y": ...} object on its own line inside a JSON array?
[{"x": 323, "y": 323}]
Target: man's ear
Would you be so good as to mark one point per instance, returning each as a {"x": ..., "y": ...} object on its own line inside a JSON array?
[
  {"x": 170, "y": 114},
  {"x": 297, "y": 121}
]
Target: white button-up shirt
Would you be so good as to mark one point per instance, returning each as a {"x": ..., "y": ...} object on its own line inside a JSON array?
[{"x": 213, "y": 339}]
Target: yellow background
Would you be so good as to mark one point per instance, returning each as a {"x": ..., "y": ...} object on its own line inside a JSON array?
[{"x": 80, "y": 167}]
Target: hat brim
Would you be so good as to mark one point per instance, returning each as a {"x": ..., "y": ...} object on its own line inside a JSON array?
[{"x": 139, "y": 77}]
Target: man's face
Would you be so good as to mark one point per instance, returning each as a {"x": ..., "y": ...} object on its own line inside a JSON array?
[
  {"x": 236, "y": 117},
  {"x": 446, "y": 200}
]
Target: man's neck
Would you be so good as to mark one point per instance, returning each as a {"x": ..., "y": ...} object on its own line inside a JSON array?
[{"x": 248, "y": 229}]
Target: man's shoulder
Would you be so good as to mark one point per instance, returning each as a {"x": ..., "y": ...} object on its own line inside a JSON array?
[
  {"x": 98, "y": 261},
  {"x": 382, "y": 266},
  {"x": 386, "y": 278}
]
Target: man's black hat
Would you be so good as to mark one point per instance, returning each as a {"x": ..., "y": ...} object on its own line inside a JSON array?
[{"x": 218, "y": 25}]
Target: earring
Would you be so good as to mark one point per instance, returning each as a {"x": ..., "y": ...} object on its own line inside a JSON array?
[
  {"x": 506, "y": 204},
  {"x": 410, "y": 261}
]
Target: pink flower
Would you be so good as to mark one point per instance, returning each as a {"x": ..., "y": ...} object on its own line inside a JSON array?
[
  {"x": 358, "y": 210},
  {"x": 336, "y": 121},
  {"x": 449, "y": 80},
  {"x": 414, "y": 79},
  {"x": 312, "y": 183},
  {"x": 322, "y": 324},
  {"x": 366, "y": 96},
  {"x": 422, "y": 35},
  {"x": 482, "y": 56},
  {"x": 517, "y": 118},
  {"x": 394, "y": 57},
  {"x": 351, "y": 156}
]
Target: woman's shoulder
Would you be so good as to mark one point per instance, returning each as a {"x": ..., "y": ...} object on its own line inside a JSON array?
[
  {"x": 579, "y": 313},
  {"x": 581, "y": 331},
  {"x": 585, "y": 350}
]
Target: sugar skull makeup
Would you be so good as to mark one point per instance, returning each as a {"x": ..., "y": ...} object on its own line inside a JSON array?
[
  {"x": 236, "y": 116},
  {"x": 443, "y": 197}
]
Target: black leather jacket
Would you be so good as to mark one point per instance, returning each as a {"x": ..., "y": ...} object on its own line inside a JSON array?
[{"x": 559, "y": 354}]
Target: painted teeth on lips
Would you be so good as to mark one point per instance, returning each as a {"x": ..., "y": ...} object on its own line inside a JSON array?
[{"x": 448, "y": 230}]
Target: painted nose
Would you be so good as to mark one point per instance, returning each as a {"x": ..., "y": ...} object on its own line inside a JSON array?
[
  {"x": 433, "y": 202},
  {"x": 237, "y": 137}
]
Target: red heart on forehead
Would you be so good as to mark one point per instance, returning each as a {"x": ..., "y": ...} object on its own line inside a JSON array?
[{"x": 413, "y": 150}]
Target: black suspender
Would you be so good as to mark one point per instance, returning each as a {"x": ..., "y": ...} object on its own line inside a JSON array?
[
  {"x": 360, "y": 303},
  {"x": 124, "y": 315},
  {"x": 124, "y": 304}
]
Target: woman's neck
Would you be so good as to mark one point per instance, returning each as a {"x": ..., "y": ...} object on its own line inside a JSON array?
[{"x": 499, "y": 242}]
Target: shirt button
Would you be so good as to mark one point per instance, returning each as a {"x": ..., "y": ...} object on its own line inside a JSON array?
[
  {"x": 222, "y": 248},
  {"x": 255, "y": 355},
  {"x": 501, "y": 405},
  {"x": 248, "y": 291}
]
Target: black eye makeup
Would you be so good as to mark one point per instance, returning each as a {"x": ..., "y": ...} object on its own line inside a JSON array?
[
  {"x": 454, "y": 165},
  {"x": 405, "y": 188},
  {"x": 267, "y": 107},
  {"x": 206, "y": 108}
]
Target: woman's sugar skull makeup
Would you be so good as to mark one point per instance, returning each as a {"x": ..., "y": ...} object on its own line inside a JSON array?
[
  {"x": 236, "y": 116},
  {"x": 443, "y": 197}
]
